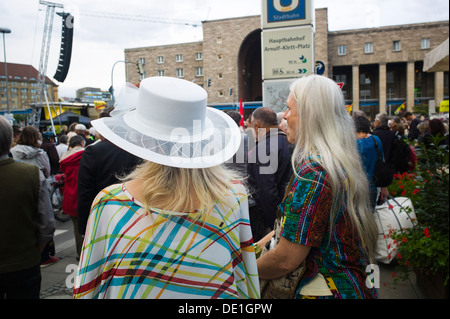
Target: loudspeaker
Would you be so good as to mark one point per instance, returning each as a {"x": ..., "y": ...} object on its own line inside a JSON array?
[{"x": 65, "y": 53}]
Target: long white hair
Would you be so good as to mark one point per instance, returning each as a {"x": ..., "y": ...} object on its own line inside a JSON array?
[{"x": 326, "y": 133}]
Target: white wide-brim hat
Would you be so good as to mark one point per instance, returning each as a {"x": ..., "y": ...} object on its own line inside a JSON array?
[{"x": 168, "y": 122}]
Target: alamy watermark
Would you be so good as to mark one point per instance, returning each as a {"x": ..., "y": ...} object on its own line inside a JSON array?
[
  {"x": 206, "y": 147},
  {"x": 373, "y": 276}
]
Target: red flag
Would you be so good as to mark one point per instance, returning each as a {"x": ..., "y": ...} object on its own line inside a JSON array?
[{"x": 241, "y": 111}]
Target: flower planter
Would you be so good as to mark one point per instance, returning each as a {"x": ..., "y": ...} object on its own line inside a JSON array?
[{"x": 432, "y": 286}]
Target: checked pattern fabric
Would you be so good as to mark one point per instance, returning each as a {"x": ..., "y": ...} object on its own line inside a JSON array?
[{"x": 130, "y": 254}]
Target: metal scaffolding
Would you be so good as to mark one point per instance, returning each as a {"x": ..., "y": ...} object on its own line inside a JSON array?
[{"x": 42, "y": 93}]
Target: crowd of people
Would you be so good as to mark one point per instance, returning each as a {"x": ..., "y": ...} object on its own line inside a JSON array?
[{"x": 161, "y": 217}]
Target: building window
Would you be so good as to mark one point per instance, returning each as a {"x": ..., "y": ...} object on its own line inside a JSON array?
[
  {"x": 161, "y": 72},
  {"x": 220, "y": 76},
  {"x": 390, "y": 77},
  {"x": 396, "y": 46},
  {"x": 221, "y": 94},
  {"x": 160, "y": 60},
  {"x": 364, "y": 94},
  {"x": 425, "y": 44},
  {"x": 219, "y": 40},
  {"x": 220, "y": 57},
  {"x": 179, "y": 58},
  {"x": 180, "y": 73},
  {"x": 142, "y": 61},
  {"x": 391, "y": 93},
  {"x": 368, "y": 48},
  {"x": 199, "y": 71},
  {"x": 198, "y": 56},
  {"x": 342, "y": 50}
]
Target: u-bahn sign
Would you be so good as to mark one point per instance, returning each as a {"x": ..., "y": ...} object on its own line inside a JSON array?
[
  {"x": 287, "y": 45},
  {"x": 285, "y": 13}
]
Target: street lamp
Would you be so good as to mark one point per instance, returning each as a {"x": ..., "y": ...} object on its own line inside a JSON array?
[
  {"x": 6, "y": 30},
  {"x": 140, "y": 69},
  {"x": 111, "y": 89}
]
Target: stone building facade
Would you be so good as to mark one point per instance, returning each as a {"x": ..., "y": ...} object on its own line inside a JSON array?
[
  {"x": 381, "y": 67},
  {"x": 183, "y": 60}
]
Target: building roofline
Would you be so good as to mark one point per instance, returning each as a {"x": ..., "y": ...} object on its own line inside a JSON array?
[
  {"x": 234, "y": 18},
  {"x": 391, "y": 27},
  {"x": 164, "y": 45},
  {"x": 32, "y": 72}
]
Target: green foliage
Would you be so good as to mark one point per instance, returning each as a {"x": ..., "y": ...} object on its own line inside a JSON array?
[{"x": 425, "y": 247}]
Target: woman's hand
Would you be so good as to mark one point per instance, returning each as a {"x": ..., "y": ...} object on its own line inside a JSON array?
[
  {"x": 281, "y": 260},
  {"x": 384, "y": 194},
  {"x": 262, "y": 242}
]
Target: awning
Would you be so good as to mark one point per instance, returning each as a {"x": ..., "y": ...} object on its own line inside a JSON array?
[{"x": 437, "y": 59}]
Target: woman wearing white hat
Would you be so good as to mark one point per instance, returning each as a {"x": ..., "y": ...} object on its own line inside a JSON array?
[{"x": 178, "y": 226}]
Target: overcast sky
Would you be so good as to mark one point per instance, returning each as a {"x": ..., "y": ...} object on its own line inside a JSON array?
[{"x": 100, "y": 42}]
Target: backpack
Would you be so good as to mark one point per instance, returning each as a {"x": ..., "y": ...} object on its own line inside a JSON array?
[{"x": 401, "y": 153}]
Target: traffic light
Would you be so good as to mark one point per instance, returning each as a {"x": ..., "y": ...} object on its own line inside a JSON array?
[
  {"x": 140, "y": 68},
  {"x": 65, "y": 53},
  {"x": 209, "y": 82}
]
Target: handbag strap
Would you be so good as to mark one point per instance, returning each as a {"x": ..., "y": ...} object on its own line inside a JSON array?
[{"x": 376, "y": 147}]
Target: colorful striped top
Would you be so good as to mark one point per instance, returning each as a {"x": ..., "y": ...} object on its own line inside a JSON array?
[
  {"x": 129, "y": 254},
  {"x": 337, "y": 255}
]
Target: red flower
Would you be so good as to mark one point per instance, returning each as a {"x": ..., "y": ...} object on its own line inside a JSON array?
[
  {"x": 403, "y": 193},
  {"x": 414, "y": 192},
  {"x": 426, "y": 232},
  {"x": 404, "y": 239},
  {"x": 390, "y": 206},
  {"x": 402, "y": 186}
]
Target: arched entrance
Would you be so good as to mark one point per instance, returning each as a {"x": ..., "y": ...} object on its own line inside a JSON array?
[{"x": 249, "y": 68}]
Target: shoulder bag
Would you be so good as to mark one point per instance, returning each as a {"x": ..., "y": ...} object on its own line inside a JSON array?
[
  {"x": 285, "y": 286},
  {"x": 382, "y": 175}
]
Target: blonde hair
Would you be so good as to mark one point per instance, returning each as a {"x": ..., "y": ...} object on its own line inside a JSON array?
[
  {"x": 176, "y": 189},
  {"x": 326, "y": 133}
]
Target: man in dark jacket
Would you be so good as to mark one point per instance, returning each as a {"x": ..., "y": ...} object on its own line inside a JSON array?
[
  {"x": 49, "y": 146},
  {"x": 413, "y": 133},
  {"x": 26, "y": 222},
  {"x": 99, "y": 166},
  {"x": 385, "y": 134},
  {"x": 269, "y": 170}
]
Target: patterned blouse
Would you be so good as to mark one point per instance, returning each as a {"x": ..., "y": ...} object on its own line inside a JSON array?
[
  {"x": 339, "y": 256},
  {"x": 130, "y": 254}
]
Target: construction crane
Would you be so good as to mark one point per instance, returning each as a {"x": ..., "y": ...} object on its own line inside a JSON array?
[{"x": 138, "y": 17}]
